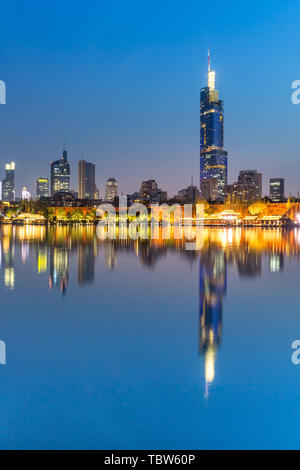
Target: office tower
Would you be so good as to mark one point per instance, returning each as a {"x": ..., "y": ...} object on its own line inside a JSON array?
[
  {"x": 8, "y": 184},
  {"x": 213, "y": 158},
  {"x": 248, "y": 187},
  {"x": 0, "y": 190},
  {"x": 86, "y": 180},
  {"x": 148, "y": 188},
  {"x": 60, "y": 174},
  {"x": 42, "y": 187},
  {"x": 25, "y": 195},
  {"x": 209, "y": 189},
  {"x": 277, "y": 189},
  {"x": 189, "y": 195},
  {"x": 250, "y": 181},
  {"x": 111, "y": 189}
]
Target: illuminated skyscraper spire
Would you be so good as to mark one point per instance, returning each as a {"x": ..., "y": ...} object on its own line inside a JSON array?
[{"x": 210, "y": 74}]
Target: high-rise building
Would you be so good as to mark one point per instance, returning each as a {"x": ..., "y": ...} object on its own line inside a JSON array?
[
  {"x": 86, "y": 180},
  {"x": 60, "y": 174},
  {"x": 25, "y": 195},
  {"x": 213, "y": 158},
  {"x": 42, "y": 187},
  {"x": 251, "y": 179},
  {"x": 148, "y": 188},
  {"x": 209, "y": 189},
  {"x": 277, "y": 189},
  {"x": 111, "y": 189},
  {"x": 8, "y": 184},
  {"x": 247, "y": 188}
]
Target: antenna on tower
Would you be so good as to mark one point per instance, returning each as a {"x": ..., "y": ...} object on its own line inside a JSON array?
[{"x": 208, "y": 61}]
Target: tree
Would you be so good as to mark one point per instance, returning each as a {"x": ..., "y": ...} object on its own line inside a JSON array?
[
  {"x": 77, "y": 215},
  {"x": 61, "y": 213},
  {"x": 257, "y": 207},
  {"x": 90, "y": 216}
]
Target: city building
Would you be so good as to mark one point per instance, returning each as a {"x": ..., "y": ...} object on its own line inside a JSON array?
[
  {"x": 251, "y": 181},
  {"x": 188, "y": 195},
  {"x": 151, "y": 192},
  {"x": 209, "y": 189},
  {"x": 247, "y": 188},
  {"x": 86, "y": 181},
  {"x": 42, "y": 187},
  {"x": 25, "y": 195},
  {"x": 277, "y": 189},
  {"x": 8, "y": 183},
  {"x": 111, "y": 190},
  {"x": 148, "y": 188},
  {"x": 60, "y": 174},
  {"x": 213, "y": 158}
]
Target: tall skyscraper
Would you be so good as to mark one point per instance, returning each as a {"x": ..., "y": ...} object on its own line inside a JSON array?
[
  {"x": 60, "y": 174},
  {"x": 213, "y": 158},
  {"x": 111, "y": 189},
  {"x": 25, "y": 195},
  {"x": 277, "y": 189},
  {"x": 42, "y": 187},
  {"x": 8, "y": 184},
  {"x": 86, "y": 180}
]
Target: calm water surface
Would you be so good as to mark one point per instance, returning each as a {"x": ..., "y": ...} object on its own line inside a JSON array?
[{"x": 140, "y": 344}]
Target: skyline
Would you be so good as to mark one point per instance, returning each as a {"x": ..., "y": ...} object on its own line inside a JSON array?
[{"x": 138, "y": 92}]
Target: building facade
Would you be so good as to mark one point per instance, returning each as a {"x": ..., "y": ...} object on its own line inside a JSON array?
[
  {"x": 8, "y": 183},
  {"x": 111, "y": 189},
  {"x": 213, "y": 158},
  {"x": 86, "y": 180},
  {"x": 251, "y": 179},
  {"x": 247, "y": 188},
  {"x": 209, "y": 189},
  {"x": 60, "y": 174},
  {"x": 25, "y": 195},
  {"x": 42, "y": 187},
  {"x": 277, "y": 189},
  {"x": 151, "y": 192},
  {"x": 148, "y": 189}
]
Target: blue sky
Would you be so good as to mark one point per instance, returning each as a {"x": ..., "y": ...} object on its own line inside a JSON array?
[{"x": 119, "y": 82}]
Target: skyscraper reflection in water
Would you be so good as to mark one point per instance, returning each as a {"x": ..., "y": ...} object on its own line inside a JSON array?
[
  {"x": 212, "y": 288},
  {"x": 7, "y": 258},
  {"x": 59, "y": 267},
  {"x": 87, "y": 253}
]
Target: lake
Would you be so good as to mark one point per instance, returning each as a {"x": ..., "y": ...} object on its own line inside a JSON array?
[{"x": 144, "y": 344}]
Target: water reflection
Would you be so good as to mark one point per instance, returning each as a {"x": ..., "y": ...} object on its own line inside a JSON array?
[
  {"x": 212, "y": 288},
  {"x": 216, "y": 250}
]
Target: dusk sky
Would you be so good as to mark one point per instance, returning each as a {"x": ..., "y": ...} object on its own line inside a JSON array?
[{"x": 119, "y": 82}]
